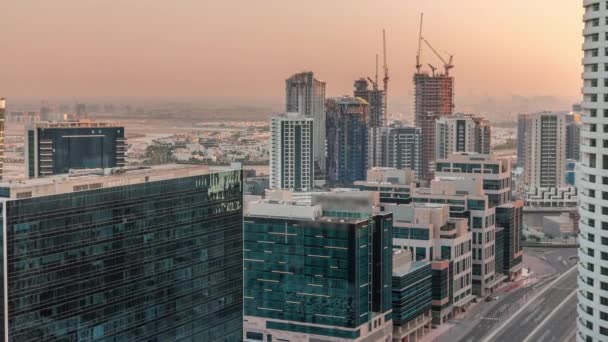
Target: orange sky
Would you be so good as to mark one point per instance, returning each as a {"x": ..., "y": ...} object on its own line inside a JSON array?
[{"x": 246, "y": 48}]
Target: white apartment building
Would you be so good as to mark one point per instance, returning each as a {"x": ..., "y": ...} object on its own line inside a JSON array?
[
  {"x": 462, "y": 133},
  {"x": 291, "y": 152},
  {"x": 545, "y": 144},
  {"x": 592, "y": 179}
]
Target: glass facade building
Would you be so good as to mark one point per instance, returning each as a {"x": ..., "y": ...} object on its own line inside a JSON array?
[
  {"x": 347, "y": 140},
  {"x": 327, "y": 276},
  {"x": 145, "y": 255},
  {"x": 56, "y": 148}
]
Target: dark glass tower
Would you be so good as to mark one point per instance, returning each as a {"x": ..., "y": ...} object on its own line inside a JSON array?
[
  {"x": 323, "y": 271},
  {"x": 143, "y": 255},
  {"x": 347, "y": 140},
  {"x": 56, "y": 148}
]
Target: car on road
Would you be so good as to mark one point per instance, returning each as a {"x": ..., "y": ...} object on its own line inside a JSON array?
[{"x": 491, "y": 298}]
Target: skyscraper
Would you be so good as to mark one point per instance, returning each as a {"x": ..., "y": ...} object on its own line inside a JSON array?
[
  {"x": 347, "y": 139},
  {"x": 433, "y": 99},
  {"x": 291, "y": 152},
  {"x": 545, "y": 155},
  {"x": 56, "y": 148},
  {"x": 306, "y": 95},
  {"x": 319, "y": 271},
  {"x": 149, "y": 254},
  {"x": 2, "y": 119},
  {"x": 573, "y": 140},
  {"x": 462, "y": 133},
  {"x": 375, "y": 98},
  {"x": 396, "y": 147},
  {"x": 521, "y": 139},
  {"x": 592, "y": 183}
]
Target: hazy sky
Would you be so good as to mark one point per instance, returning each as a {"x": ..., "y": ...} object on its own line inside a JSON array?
[{"x": 246, "y": 48}]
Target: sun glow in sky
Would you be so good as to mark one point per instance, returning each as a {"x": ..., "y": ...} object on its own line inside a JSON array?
[{"x": 245, "y": 49}]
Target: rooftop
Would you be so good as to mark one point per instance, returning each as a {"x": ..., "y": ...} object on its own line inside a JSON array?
[
  {"x": 75, "y": 124},
  {"x": 103, "y": 178}
]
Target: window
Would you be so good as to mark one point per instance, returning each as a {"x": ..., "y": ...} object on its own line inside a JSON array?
[
  {"x": 591, "y": 237},
  {"x": 591, "y": 193},
  {"x": 605, "y": 161}
]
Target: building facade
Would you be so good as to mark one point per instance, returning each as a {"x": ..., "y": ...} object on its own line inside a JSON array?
[
  {"x": 545, "y": 144},
  {"x": 433, "y": 99},
  {"x": 495, "y": 173},
  {"x": 140, "y": 255},
  {"x": 347, "y": 140},
  {"x": 462, "y": 133},
  {"x": 509, "y": 251},
  {"x": 466, "y": 199},
  {"x": 522, "y": 120},
  {"x": 573, "y": 141},
  {"x": 57, "y": 148},
  {"x": 429, "y": 234},
  {"x": 375, "y": 98},
  {"x": 306, "y": 95},
  {"x": 592, "y": 180},
  {"x": 396, "y": 147},
  {"x": 319, "y": 271},
  {"x": 412, "y": 297},
  {"x": 291, "y": 152},
  {"x": 2, "y": 119},
  {"x": 392, "y": 185}
]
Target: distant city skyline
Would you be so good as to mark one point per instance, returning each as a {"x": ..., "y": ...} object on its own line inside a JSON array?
[{"x": 245, "y": 50}]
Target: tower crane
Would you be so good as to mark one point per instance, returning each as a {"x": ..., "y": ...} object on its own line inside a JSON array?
[
  {"x": 385, "y": 79},
  {"x": 447, "y": 65}
]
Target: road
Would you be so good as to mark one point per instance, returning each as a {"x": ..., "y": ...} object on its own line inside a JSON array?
[
  {"x": 553, "y": 279},
  {"x": 547, "y": 317}
]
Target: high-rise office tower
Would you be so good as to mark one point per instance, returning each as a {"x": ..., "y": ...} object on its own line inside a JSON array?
[
  {"x": 2, "y": 123},
  {"x": 291, "y": 152},
  {"x": 378, "y": 147},
  {"x": 149, "y": 254},
  {"x": 462, "y": 133},
  {"x": 375, "y": 98},
  {"x": 56, "y": 148},
  {"x": 306, "y": 95},
  {"x": 545, "y": 156},
  {"x": 395, "y": 147},
  {"x": 521, "y": 139},
  {"x": 347, "y": 139},
  {"x": 318, "y": 272},
  {"x": 592, "y": 181},
  {"x": 433, "y": 99},
  {"x": 573, "y": 140}
]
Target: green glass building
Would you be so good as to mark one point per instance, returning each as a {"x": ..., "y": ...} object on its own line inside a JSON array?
[
  {"x": 317, "y": 271},
  {"x": 153, "y": 254}
]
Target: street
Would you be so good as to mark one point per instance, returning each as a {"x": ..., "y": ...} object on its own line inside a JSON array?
[{"x": 542, "y": 308}]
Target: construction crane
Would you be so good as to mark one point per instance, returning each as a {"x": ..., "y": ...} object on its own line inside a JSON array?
[
  {"x": 418, "y": 65},
  {"x": 447, "y": 65},
  {"x": 432, "y": 69},
  {"x": 385, "y": 79}
]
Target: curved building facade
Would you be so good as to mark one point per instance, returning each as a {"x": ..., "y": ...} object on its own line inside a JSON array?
[{"x": 593, "y": 180}]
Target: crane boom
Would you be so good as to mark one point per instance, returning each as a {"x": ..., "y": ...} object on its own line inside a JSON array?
[
  {"x": 418, "y": 65},
  {"x": 447, "y": 65},
  {"x": 386, "y": 79}
]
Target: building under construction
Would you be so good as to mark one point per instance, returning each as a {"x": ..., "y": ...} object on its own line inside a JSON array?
[
  {"x": 375, "y": 98},
  {"x": 433, "y": 98}
]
